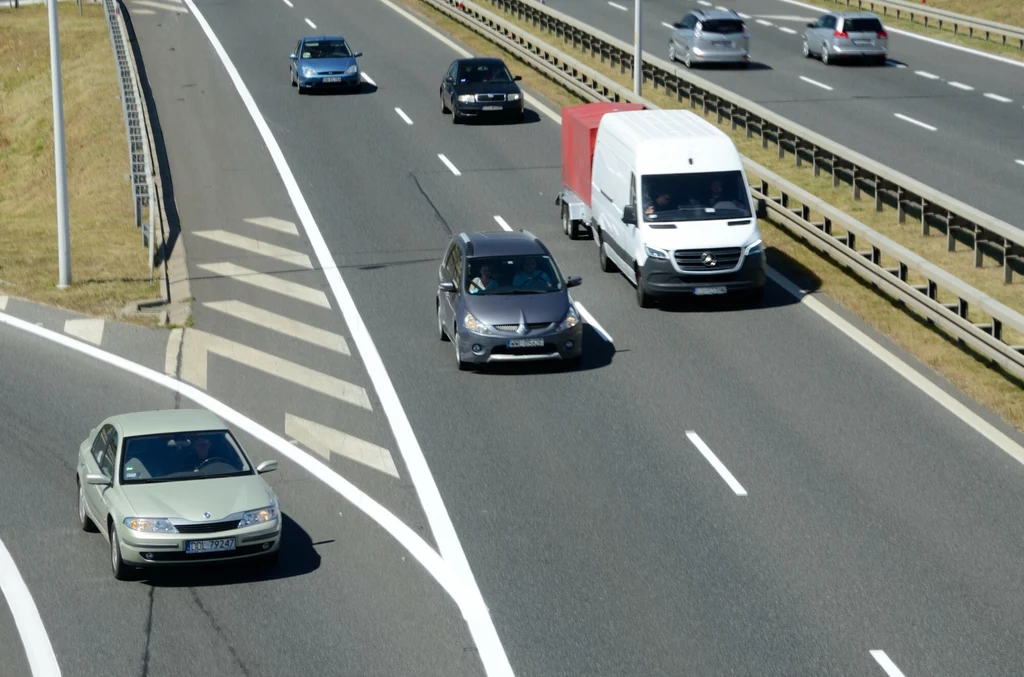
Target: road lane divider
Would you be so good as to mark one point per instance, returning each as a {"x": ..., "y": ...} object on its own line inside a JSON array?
[
  {"x": 311, "y": 24},
  {"x": 890, "y": 668},
  {"x": 449, "y": 165},
  {"x": 402, "y": 115},
  {"x": 706, "y": 452},
  {"x": 42, "y": 661},
  {"x": 815, "y": 83},
  {"x": 915, "y": 122}
]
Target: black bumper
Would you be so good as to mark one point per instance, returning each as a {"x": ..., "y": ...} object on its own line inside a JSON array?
[
  {"x": 502, "y": 108},
  {"x": 660, "y": 278}
]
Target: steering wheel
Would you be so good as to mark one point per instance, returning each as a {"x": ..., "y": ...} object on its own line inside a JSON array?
[{"x": 211, "y": 460}]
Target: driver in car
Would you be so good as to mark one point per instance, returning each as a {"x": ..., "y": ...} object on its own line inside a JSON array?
[
  {"x": 529, "y": 276},
  {"x": 201, "y": 445}
]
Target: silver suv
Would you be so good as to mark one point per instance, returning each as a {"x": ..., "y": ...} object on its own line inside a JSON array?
[
  {"x": 710, "y": 36},
  {"x": 844, "y": 35}
]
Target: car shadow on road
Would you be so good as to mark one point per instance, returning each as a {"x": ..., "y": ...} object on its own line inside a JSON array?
[
  {"x": 363, "y": 88},
  {"x": 597, "y": 353},
  {"x": 298, "y": 558},
  {"x": 530, "y": 117}
]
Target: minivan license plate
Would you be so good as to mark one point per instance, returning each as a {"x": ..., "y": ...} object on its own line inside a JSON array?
[
  {"x": 213, "y": 545},
  {"x": 526, "y": 343},
  {"x": 709, "y": 291}
]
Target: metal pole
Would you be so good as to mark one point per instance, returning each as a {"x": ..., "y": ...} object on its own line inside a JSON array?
[
  {"x": 59, "y": 152},
  {"x": 638, "y": 51},
  {"x": 152, "y": 222}
]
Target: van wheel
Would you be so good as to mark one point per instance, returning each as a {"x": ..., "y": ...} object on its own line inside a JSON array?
[
  {"x": 571, "y": 228},
  {"x": 602, "y": 258},
  {"x": 643, "y": 299}
]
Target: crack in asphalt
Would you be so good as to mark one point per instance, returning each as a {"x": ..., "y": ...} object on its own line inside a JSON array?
[{"x": 216, "y": 628}]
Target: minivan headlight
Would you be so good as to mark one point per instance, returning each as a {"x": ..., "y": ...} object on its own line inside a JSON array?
[
  {"x": 656, "y": 253},
  {"x": 474, "y": 325},
  {"x": 572, "y": 318},
  {"x": 150, "y": 525},
  {"x": 753, "y": 249}
]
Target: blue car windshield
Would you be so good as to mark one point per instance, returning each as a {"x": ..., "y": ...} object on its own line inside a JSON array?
[
  {"x": 706, "y": 196},
  {"x": 325, "y": 49},
  {"x": 494, "y": 275},
  {"x": 174, "y": 457},
  {"x": 484, "y": 72}
]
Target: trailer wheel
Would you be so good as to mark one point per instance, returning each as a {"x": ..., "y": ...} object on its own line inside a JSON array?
[{"x": 571, "y": 228}]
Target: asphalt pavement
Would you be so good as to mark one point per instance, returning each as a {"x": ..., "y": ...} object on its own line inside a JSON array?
[
  {"x": 962, "y": 124},
  {"x": 603, "y": 540}
]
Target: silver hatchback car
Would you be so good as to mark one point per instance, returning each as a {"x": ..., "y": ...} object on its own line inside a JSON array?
[
  {"x": 847, "y": 35},
  {"x": 710, "y": 36}
]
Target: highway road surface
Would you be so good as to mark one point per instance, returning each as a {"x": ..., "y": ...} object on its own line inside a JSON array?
[{"x": 718, "y": 490}]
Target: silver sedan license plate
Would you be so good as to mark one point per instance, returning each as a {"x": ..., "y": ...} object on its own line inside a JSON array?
[
  {"x": 709, "y": 291},
  {"x": 212, "y": 545},
  {"x": 332, "y": 80},
  {"x": 492, "y": 107},
  {"x": 526, "y": 343}
]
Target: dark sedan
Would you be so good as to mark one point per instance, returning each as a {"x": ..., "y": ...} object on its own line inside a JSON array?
[
  {"x": 481, "y": 87},
  {"x": 502, "y": 298}
]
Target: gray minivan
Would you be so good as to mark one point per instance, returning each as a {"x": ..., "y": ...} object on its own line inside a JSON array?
[
  {"x": 842, "y": 35},
  {"x": 710, "y": 36}
]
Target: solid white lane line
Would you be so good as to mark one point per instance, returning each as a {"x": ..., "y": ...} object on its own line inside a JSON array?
[
  {"x": 589, "y": 319},
  {"x": 288, "y": 3},
  {"x": 618, "y": 6},
  {"x": 926, "y": 74},
  {"x": 269, "y": 282},
  {"x": 960, "y": 85},
  {"x": 743, "y": 16},
  {"x": 668, "y": 25},
  {"x": 705, "y": 3},
  {"x": 449, "y": 164},
  {"x": 815, "y": 83},
  {"x": 42, "y": 661},
  {"x": 715, "y": 463},
  {"x": 787, "y": 29},
  {"x": 915, "y": 122},
  {"x": 455, "y": 575},
  {"x": 282, "y": 325},
  {"x": 763, "y": 22},
  {"x": 402, "y": 115},
  {"x": 367, "y": 78},
  {"x": 311, "y": 24},
  {"x": 886, "y": 663},
  {"x": 256, "y": 247},
  {"x": 997, "y": 97},
  {"x": 1020, "y": 162},
  {"x": 502, "y": 223}
]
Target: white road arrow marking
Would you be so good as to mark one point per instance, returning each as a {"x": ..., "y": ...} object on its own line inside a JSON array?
[{"x": 324, "y": 440}]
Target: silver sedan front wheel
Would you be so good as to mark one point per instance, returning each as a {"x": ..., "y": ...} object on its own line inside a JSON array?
[
  {"x": 83, "y": 516},
  {"x": 117, "y": 565}
]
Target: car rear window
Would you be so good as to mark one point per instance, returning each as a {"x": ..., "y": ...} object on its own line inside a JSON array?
[
  {"x": 722, "y": 26},
  {"x": 862, "y": 25}
]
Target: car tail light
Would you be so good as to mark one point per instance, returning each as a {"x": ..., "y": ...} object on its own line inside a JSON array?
[
  {"x": 745, "y": 33},
  {"x": 883, "y": 34},
  {"x": 840, "y": 34}
]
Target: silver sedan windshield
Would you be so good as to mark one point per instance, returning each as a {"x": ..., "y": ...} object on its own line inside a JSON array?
[{"x": 181, "y": 456}]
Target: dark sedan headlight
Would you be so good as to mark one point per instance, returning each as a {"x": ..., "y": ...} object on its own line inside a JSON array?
[
  {"x": 467, "y": 98},
  {"x": 515, "y": 96},
  {"x": 150, "y": 525},
  {"x": 261, "y": 516},
  {"x": 572, "y": 318}
]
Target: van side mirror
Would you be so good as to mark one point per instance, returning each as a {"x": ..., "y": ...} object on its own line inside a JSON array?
[
  {"x": 762, "y": 209},
  {"x": 447, "y": 287},
  {"x": 629, "y": 214},
  {"x": 574, "y": 281}
]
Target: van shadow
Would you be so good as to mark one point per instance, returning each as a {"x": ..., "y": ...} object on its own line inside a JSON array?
[
  {"x": 597, "y": 353},
  {"x": 774, "y": 295},
  {"x": 298, "y": 557}
]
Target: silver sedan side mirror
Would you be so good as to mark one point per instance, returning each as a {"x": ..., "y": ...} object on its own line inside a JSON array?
[{"x": 266, "y": 466}]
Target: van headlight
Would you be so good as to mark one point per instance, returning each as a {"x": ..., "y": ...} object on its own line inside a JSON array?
[
  {"x": 572, "y": 318},
  {"x": 656, "y": 253},
  {"x": 474, "y": 325},
  {"x": 753, "y": 249}
]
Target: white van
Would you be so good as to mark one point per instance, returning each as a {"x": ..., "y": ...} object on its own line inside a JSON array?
[{"x": 693, "y": 229}]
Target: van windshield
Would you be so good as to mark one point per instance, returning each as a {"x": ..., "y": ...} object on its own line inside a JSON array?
[{"x": 705, "y": 196}]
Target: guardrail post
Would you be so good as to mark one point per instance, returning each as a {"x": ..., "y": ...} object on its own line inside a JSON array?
[{"x": 879, "y": 186}]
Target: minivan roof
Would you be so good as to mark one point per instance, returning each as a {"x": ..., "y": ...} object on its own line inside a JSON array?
[{"x": 665, "y": 141}]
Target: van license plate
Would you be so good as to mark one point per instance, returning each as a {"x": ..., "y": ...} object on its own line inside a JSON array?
[
  {"x": 526, "y": 343},
  {"x": 709, "y": 291},
  {"x": 492, "y": 107}
]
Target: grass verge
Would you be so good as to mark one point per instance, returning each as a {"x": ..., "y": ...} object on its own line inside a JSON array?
[
  {"x": 1009, "y": 12},
  {"x": 109, "y": 265},
  {"x": 991, "y": 387}
]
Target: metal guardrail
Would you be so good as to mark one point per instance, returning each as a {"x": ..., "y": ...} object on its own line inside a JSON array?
[
  {"x": 987, "y": 235},
  {"x": 863, "y": 250},
  {"x": 139, "y": 155},
  {"x": 931, "y": 17}
]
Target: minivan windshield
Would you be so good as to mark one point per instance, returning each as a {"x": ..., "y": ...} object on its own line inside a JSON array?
[
  {"x": 521, "y": 274},
  {"x": 705, "y": 196},
  {"x": 176, "y": 457}
]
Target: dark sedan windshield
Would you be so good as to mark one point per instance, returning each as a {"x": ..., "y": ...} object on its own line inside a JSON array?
[
  {"x": 181, "y": 456},
  {"x": 694, "y": 197},
  {"x": 493, "y": 275},
  {"x": 483, "y": 72},
  {"x": 326, "y": 49}
]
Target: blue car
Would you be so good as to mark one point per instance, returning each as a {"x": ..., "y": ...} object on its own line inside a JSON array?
[{"x": 324, "y": 61}]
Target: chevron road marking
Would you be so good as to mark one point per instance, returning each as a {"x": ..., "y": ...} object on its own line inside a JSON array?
[
  {"x": 90, "y": 330},
  {"x": 197, "y": 345},
  {"x": 3, "y": 302},
  {"x": 160, "y": 5},
  {"x": 279, "y": 225},
  {"x": 275, "y": 284},
  {"x": 281, "y": 324},
  {"x": 256, "y": 246},
  {"x": 324, "y": 440}
]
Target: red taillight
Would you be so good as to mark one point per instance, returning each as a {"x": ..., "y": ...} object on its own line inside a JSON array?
[
  {"x": 840, "y": 34},
  {"x": 883, "y": 34}
]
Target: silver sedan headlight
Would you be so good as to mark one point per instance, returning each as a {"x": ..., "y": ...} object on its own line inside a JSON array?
[
  {"x": 261, "y": 516},
  {"x": 150, "y": 525}
]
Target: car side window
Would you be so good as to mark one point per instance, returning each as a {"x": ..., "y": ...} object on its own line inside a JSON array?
[
  {"x": 99, "y": 444},
  {"x": 449, "y": 261},
  {"x": 830, "y": 22},
  {"x": 632, "y": 189},
  {"x": 452, "y": 69},
  {"x": 106, "y": 461},
  {"x": 298, "y": 48},
  {"x": 457, "y": 269},
  {"x": 689, "y": 21}
]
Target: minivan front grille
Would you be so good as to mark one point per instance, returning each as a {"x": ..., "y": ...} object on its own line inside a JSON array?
[
  {"x": 530, "y": 326},
  {"x": 207, "y": 528},
  {"x": 693, "y": 260}
]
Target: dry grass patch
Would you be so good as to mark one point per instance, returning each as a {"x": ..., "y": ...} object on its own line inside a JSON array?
[
  {"x": 990, "y": 387},
  {"x": 109, "y": 265},
  {"x": 1009, "y": 12}
]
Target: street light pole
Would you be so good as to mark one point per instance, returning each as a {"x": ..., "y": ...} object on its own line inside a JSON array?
[
  {"x": 638, "y": 52},
  {"x": 59, "y": 152}
]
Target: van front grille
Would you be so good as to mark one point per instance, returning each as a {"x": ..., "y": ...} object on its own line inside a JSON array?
[{"x": 707, "y": 260}]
